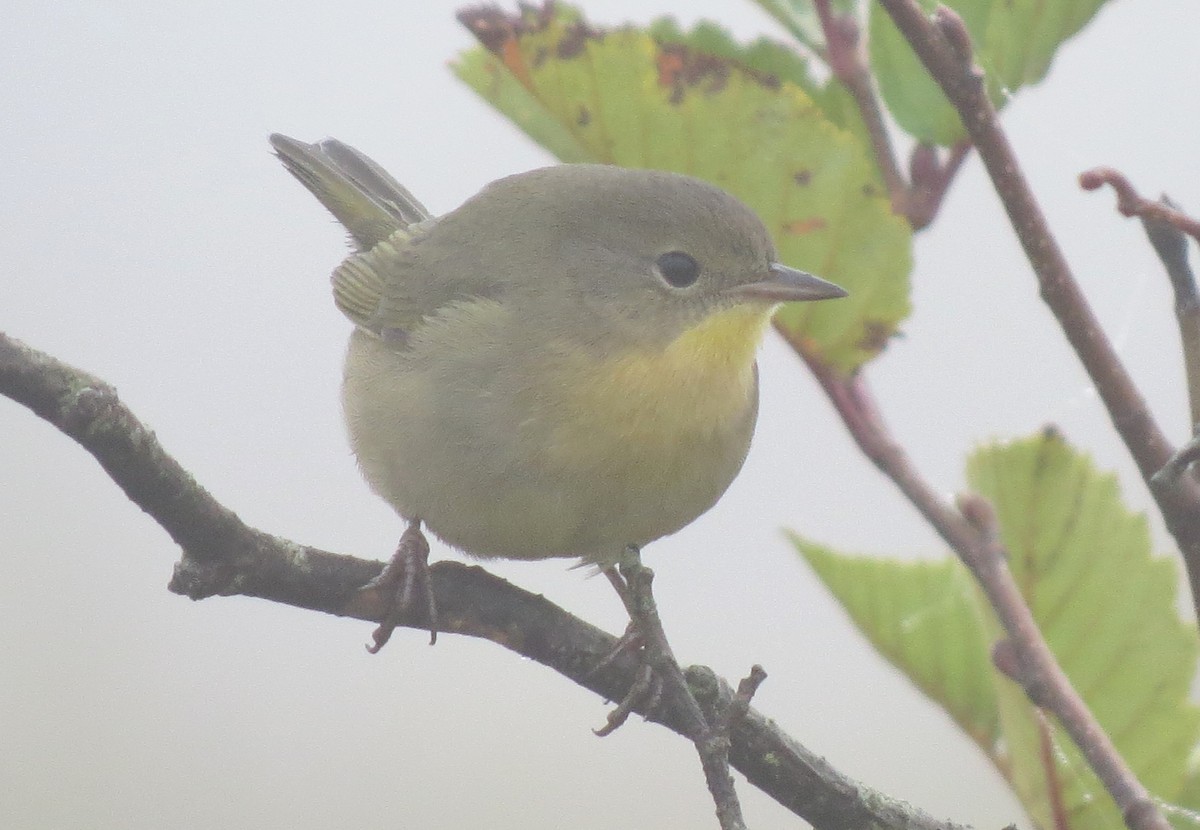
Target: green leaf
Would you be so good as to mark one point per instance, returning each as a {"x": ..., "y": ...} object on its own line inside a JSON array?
[
  {"x": 1104, "y": 604},
  {"x": 924, "y": 618},
  {"x": 479, "y": 69},
  {"x": 1015, "y": 42},
  {"x": 1189, "y": 796},
  {"x": 740, "y": 118},
  {"x": 1107, "y": 609},
  {"x": 764, "y": 55},
  {"x": 773, "y": 59}
]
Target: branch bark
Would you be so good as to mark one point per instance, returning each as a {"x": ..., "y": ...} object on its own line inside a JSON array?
[
  {"x": 848, "y": 63},
  {"x": 970, "y": 530},
  {"x": 930, "y": 175},
  {"x": 221, "y": 555},
  {"x": 963, "y": 85},
  {"x": 943, "y": 45},
  {"x": 1167, "y": 227}
]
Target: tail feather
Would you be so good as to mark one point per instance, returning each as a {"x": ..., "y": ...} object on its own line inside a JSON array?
[{"x": 369, "y": 203}]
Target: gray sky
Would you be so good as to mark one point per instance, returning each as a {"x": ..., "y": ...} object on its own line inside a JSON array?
[{"x": 148, "y": 236}]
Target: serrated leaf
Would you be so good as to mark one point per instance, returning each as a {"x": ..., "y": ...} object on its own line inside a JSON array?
[
  {"x": 1107, "y": 609},
  {"x": 1014, "y": 40},
  {"x": 622, "y": 97},
  {"x": 1104, "y": 604},
  {"x": 773, "y": 59},
  {"x": 924, "y": 618},
  {"x": 763, "y": 55},
  {"x": 520, "y": 106}
]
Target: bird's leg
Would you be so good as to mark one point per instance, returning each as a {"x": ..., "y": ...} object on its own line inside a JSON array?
[
  {"x": 631, "y": 640},
  {"x": 661, "y": 676},
  {"x": 631, "y": 580},
  {"x": 406, "y": 576}
]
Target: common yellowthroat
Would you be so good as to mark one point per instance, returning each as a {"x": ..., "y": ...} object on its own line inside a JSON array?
[{"x": 562, "y": 366}]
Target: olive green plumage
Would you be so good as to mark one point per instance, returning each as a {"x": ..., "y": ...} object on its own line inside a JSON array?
[{"x": 562, "y": 366}]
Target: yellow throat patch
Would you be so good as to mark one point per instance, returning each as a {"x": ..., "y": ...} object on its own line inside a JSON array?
[{"x": 699, "y": 385}]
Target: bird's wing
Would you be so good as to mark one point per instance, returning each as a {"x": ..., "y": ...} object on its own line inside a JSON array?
[
  {"x": 394, "y": 281},
  {"x": 385, "y": 290}
]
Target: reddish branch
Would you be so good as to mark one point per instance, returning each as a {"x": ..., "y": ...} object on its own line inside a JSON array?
[
  {"x": 970, "y": 531},
  {"x": 1167, "y": 228},
  {"x": 930, "y": 175},
  {"x": 1131, "y": 203},
  {"x": 848, "y": 63},
  {"x": 943, "y": 45},
  {"x": 939, "y": 44}
]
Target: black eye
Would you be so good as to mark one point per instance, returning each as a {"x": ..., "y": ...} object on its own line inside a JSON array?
[{"x": 678, "y": 269}]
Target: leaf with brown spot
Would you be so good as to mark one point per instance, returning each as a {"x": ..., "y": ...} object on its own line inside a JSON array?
[{"x": 799, "y": 227}]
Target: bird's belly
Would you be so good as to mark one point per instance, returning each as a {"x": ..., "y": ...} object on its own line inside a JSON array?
[{"x": 498, "y": 469}]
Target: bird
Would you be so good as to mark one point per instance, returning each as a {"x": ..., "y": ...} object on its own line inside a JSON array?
[{"x": 563, "y": 366}]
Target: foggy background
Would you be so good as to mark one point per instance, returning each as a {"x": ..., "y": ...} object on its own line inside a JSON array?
[{"x": 148, "y": 236}]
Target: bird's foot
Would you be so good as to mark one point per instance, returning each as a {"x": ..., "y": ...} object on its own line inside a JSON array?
[
  {"x": 406, "y": 578},
  {"x": 646, "y": 692},
  {"x": 646, "y": 689}
]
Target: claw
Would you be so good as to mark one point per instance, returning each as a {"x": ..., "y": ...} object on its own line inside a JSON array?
[{"x": 406, "y": 575}]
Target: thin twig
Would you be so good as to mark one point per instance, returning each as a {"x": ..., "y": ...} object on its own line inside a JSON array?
[
  {"x": 943, "y": 45},
  {"x": 1171, "y": 246},
  {"x": 1054, "y": 790},
  {"x": 224, "y": 556},
  {"x": 931, "y": 178},
  {"x": 963, "y": 85},
  {"x": 1040, "y": 675},
  {"x": 848, "y": 63},
  {"x": 1129, "y": 203},
  {"x": 1166, "y": 226},
  {"x": 970, "y": 533},
  {"x": 919, "y": 198},
  {"x": 740, "y": 705}
]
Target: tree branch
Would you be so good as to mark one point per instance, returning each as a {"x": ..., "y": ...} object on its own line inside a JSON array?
[
  {"x": 940, "y": 44},
  {"x": 1130, "y": 203},
  {"x": 848, "y": 63},
  {"x": 930, "y": 177},
  {"x": 223, "y": 556},
  {"x": 943, "y": 45},
  {"x": 970, "y": 532}
]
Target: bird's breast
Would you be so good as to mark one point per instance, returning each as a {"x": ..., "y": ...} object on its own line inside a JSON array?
[{"x": 702, "y": 388}]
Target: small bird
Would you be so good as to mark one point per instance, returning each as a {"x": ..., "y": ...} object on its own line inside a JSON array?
[{"x": 564, "y": 366}]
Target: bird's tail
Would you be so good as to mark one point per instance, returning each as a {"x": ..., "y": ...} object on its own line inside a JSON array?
[{"x": 369, "y": 203}]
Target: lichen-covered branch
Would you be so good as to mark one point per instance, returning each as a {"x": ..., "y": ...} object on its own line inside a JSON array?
[{"x": 224, "y": 556}]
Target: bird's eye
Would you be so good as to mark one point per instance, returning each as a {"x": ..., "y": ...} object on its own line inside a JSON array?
[{"x": 678, "y": 269}]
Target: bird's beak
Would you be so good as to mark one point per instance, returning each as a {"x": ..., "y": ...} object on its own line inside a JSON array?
[{"x": 787, "y": 285}]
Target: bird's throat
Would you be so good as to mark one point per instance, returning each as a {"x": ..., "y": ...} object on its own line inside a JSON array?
[{"x": 702, "y": 384}]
